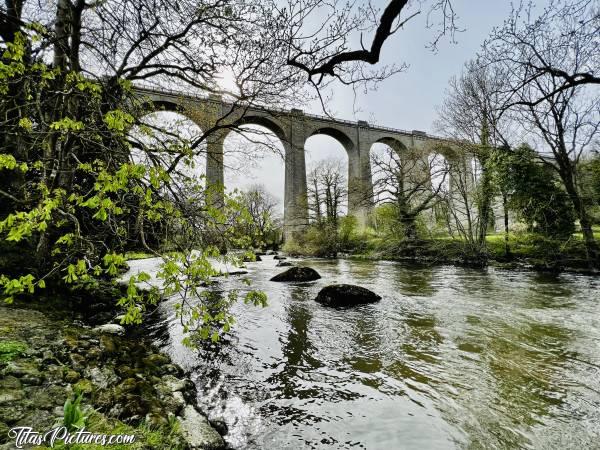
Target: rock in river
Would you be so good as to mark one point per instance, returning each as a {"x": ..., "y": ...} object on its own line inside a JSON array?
[
  {"x": 198, "y": 432},
  {"x": 346, "y": 295},
  {"x": 297, "y": 274},
  {"x": 284, "y": 264},
  {"x": 110, "y": 328}
]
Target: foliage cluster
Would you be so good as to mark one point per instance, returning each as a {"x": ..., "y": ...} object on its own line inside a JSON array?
[{"x": 73, "y": 200}]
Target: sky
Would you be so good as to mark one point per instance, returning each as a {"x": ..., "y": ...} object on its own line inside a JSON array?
[{"x": 407, "y": 100}]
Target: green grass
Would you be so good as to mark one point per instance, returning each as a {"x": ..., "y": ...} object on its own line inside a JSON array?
[
  {"x": 146, "y": 437},
  {"x": 540, "y": 250},
  {"x": 595, "y": 229}
]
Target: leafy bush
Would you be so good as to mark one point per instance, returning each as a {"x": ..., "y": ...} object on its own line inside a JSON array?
[
  {"x": 78, "y": 201},
  {"x": 74, "y": 417}
]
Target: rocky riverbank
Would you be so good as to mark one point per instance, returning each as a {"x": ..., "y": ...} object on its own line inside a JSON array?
[{"x": 128, "y": 386}]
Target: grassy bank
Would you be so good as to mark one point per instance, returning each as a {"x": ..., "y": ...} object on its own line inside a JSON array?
[{"x": 525, "y": 249}]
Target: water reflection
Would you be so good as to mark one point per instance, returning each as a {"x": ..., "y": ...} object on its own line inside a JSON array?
[
  {"x": 298, "y": 356},
  {"x": 523, "y": 363},
  {"x": 415, "y": 282},
  {"x": 450, "y": 358}
]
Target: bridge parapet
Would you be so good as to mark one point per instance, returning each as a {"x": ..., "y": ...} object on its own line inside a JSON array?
[{"x": 175, "y": 94}]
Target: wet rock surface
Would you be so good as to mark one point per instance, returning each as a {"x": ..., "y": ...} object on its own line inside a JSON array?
[
  {"x": 45, "y": 359},
  {"x": 198, "y": 432},
  {"x": 297, "y": 274},
  {"x": 110, "y": 328},
  {"x": 346, "y": 295}
]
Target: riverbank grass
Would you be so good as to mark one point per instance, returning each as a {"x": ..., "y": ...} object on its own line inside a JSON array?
[{"x": 146, "y": 436}]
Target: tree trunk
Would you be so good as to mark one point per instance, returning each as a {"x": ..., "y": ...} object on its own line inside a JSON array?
[
  {"x": 591, "y": 247},
  {"x": 317, "y": 201},
  {"x": 485, "y": 200},
  {"x": 505, "y": 208},
  {"x": 410, "y": 229},
  {"x": 61, "y": 31},
  {"x": 407, "y": 220}
]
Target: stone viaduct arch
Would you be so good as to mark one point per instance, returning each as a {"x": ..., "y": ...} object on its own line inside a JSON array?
[{"x": 293, "y": 128}]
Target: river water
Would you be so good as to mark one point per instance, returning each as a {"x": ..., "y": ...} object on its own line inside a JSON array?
[{"x": 450, "y": 357}]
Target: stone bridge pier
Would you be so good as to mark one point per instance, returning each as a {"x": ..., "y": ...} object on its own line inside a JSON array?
[
  {"x": 293, "y": 128},
  {"x": 293, "y": 131}
]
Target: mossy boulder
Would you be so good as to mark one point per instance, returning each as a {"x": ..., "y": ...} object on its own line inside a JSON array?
[
  {"x": 11, "y": 414},
  {"x": 3, "y": 432},
  {"x": 84, "y": 385},
  {"x": 10, "y": 382},
  {"x": 8, "y": 396},
  {"x": 71, "y": 376}
]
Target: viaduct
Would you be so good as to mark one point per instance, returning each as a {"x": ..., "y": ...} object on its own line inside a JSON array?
[{"x": 293, "y": 128}]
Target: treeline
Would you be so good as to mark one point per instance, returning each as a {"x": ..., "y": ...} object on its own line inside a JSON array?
[
  {"x": 524, "y": 116},
  {"x": 531, "y": 216}
]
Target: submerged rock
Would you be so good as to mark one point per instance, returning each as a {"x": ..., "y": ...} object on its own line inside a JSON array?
[
  {"x": 284, "y": 264},
  {"x": 279, "y": 258},
  {"x": 10, "y": 396},
  {"x": 102, "y": 377},
  {"x": 198, "y": 432},
  {"x": 346, "y": 295},
  {"x": 220, "y": 425},
  {"x": 297, "y": 274},
  {"x": 110, "y": 328}
]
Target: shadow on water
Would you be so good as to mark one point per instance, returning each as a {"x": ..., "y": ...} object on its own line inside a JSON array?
[
  {"x": 449, "y": 358},
  {"x": 298, "y": 355}
]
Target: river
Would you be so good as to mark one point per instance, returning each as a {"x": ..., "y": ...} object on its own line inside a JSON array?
[{"x": 450, "y": 357}]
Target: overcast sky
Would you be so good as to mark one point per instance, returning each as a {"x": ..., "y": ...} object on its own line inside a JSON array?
[{"x": 407, "y": 100}]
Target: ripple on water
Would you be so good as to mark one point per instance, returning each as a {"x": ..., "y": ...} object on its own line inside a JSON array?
[{"x": 449, "y": 358}]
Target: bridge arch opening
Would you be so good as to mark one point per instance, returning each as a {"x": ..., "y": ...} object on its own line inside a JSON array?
[
  {"x": 253, "y": 124},
  {"x": 388, "y": 142},
  {"x": 160, "y": 105},
  {"x": 385, "y": 156},
  {"x": 168, "y": 138},
  {"x": 254, "y": 159},
  {"x": 327, "y": 163},
  {"x": 410, "y": 181},
  {"x": 336, "y": 134}
]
